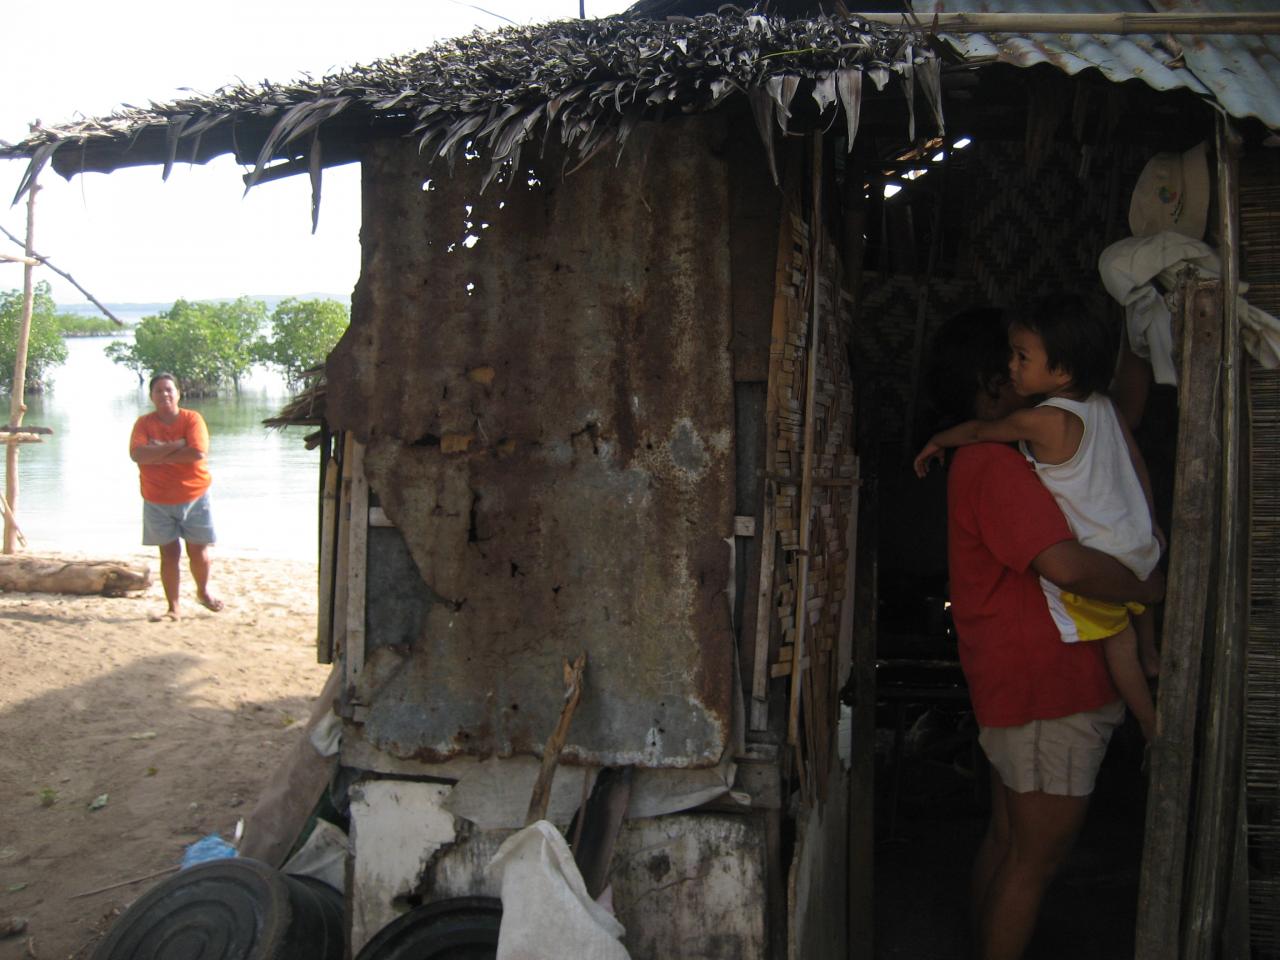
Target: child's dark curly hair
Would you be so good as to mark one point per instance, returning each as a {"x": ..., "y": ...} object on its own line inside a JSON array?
[{"x": 1078, "y": 340}]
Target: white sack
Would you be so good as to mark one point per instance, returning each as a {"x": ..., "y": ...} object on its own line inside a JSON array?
[{"x": 546, "y": 911}]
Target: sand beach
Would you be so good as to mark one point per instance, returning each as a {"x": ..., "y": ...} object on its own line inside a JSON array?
[{"x": 126, "y": 740}]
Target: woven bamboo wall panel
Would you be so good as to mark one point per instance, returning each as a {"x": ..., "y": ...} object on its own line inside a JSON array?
[{"x": 833, "y": 468}]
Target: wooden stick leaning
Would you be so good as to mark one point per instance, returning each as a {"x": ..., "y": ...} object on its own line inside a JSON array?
[
  {"x": 541, "y": 796},
  {"x": 9, "y": 518},
  {"x": 34, "y": 259},
  {"x": 125, "y": 883}
]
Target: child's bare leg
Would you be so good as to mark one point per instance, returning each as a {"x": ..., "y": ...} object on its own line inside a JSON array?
[
  {"x": 1121, "y": 651},
  {"x": 1144, "y": 625}
]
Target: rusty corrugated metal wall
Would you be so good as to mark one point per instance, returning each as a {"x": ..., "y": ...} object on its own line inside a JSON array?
[{"x": 548, "y": 412}]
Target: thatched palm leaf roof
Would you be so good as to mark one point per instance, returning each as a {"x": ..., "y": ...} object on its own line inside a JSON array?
[{"x": 586, "y": 81}]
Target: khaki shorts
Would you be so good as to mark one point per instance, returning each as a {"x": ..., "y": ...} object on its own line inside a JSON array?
[{"x": 1059, "y": 756}]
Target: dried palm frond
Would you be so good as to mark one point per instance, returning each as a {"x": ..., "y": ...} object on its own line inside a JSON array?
[{"x": 587, "y": 81}]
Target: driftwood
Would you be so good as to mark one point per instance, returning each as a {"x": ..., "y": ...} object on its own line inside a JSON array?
[{"x": 106, "y": 577}]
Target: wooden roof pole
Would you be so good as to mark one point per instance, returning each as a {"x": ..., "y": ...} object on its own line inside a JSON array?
[
  {"x": 17, "y": 402},
  {"x": 1082, "y": 23}
]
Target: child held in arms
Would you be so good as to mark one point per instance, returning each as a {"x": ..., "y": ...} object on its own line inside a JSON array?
[{"x": 1063, "y": 356}]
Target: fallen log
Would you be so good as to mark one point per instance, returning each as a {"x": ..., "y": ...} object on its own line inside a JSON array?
[{"x": 109, "y": 578}]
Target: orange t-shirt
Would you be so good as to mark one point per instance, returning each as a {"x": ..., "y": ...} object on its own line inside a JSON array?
[{"x": 171, "y": 483}]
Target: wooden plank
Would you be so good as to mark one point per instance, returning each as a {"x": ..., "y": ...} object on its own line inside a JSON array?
[
  {"x": 1219, "y": 804},
  {"x": 768, "y": 526},
  {"x": 806, "y": 463},
  {"x": 862, "y": 838},
  {"x": 357, "y": 562},
  {"x": 1190, "y": 562},
  {"x": 328, "y": 532},
  {"x": 343, "y": 557}
]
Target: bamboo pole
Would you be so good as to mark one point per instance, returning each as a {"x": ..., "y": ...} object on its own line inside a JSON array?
[
  {"x": 17, "y": 404},
  {"x": 1122, "y": 24}
]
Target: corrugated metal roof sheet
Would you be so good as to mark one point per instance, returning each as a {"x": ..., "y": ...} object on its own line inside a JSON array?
[{"x": 1241, "y": 73}]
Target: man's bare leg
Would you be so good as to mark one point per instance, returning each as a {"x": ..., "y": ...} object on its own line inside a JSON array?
[
  {"x": 170, "y": 579},
  {"x": 1043, "y": 828},
  {"x": 198, "y": 557}
]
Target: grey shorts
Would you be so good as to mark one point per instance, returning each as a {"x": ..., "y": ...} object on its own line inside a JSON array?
[
  {"x": 1059, "y": 756},
  {"x": 166, "y": 522}
]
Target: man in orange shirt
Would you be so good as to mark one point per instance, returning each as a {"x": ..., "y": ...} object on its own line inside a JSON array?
[{"x": 169, "y": 446}]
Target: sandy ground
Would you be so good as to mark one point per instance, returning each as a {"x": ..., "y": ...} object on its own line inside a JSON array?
[{"x": 177, "y": 725}]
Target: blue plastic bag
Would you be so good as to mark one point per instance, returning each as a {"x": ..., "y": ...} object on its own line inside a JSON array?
[{"x": 212, "y": 847}]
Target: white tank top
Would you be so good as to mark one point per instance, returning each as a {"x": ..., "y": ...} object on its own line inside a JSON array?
[{"x": 1098, "y": 489}]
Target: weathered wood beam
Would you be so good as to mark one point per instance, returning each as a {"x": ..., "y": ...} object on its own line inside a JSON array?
[
  {"x": 43, "y": 431},
  {"x": 1191, "y": 558},
  {"x": 1219, "y": 805},
  {"x": 357, "y": 563},
  {"x": 328, "y": 537},
  {"x": 806, "y": 474}
]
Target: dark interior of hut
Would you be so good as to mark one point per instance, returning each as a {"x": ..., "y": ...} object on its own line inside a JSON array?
[{"x": 1029, "y": 183}]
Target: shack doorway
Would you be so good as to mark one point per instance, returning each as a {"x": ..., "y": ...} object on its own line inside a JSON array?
[{"x": 1017, "y": 200}]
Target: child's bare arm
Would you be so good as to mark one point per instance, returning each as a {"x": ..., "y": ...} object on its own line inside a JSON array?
[{"x": 1037, "y": 426}]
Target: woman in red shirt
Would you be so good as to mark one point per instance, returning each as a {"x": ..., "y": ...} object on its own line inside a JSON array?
[{"x": 1045, "y": 709}]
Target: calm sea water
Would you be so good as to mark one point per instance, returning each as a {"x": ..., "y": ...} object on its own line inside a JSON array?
[{"x": 79, "y": 489}]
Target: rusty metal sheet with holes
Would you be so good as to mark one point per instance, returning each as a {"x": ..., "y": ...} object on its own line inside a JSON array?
[{"x": 543, "y": 379}]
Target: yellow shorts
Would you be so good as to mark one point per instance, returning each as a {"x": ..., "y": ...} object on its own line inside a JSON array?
[{"x": 1098, "y": 619}]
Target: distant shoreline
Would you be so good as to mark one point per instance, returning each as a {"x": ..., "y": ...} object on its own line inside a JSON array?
[{"x": 149, "y": 308}]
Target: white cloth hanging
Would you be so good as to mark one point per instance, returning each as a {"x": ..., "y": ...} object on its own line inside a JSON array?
[{"x": 1130, "y": 269}]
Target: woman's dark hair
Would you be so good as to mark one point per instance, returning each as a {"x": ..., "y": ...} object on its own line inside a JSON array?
[
  {"x": 162, "y": 376},
  {"x": 970, "y": 352},
  {"x": 1079, "y": 341}
]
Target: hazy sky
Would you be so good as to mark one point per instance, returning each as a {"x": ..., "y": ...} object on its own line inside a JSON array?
[{"x": 128, "y": 236}]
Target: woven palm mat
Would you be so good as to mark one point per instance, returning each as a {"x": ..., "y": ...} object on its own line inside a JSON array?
[
  {"x": 1009, "y": 235},
  {"x": 1260, "y": 237}
]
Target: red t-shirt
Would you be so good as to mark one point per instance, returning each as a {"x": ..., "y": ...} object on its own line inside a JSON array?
[
  {"x": 171, "y": 483},
  {"x": 999, "y": 519}
]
